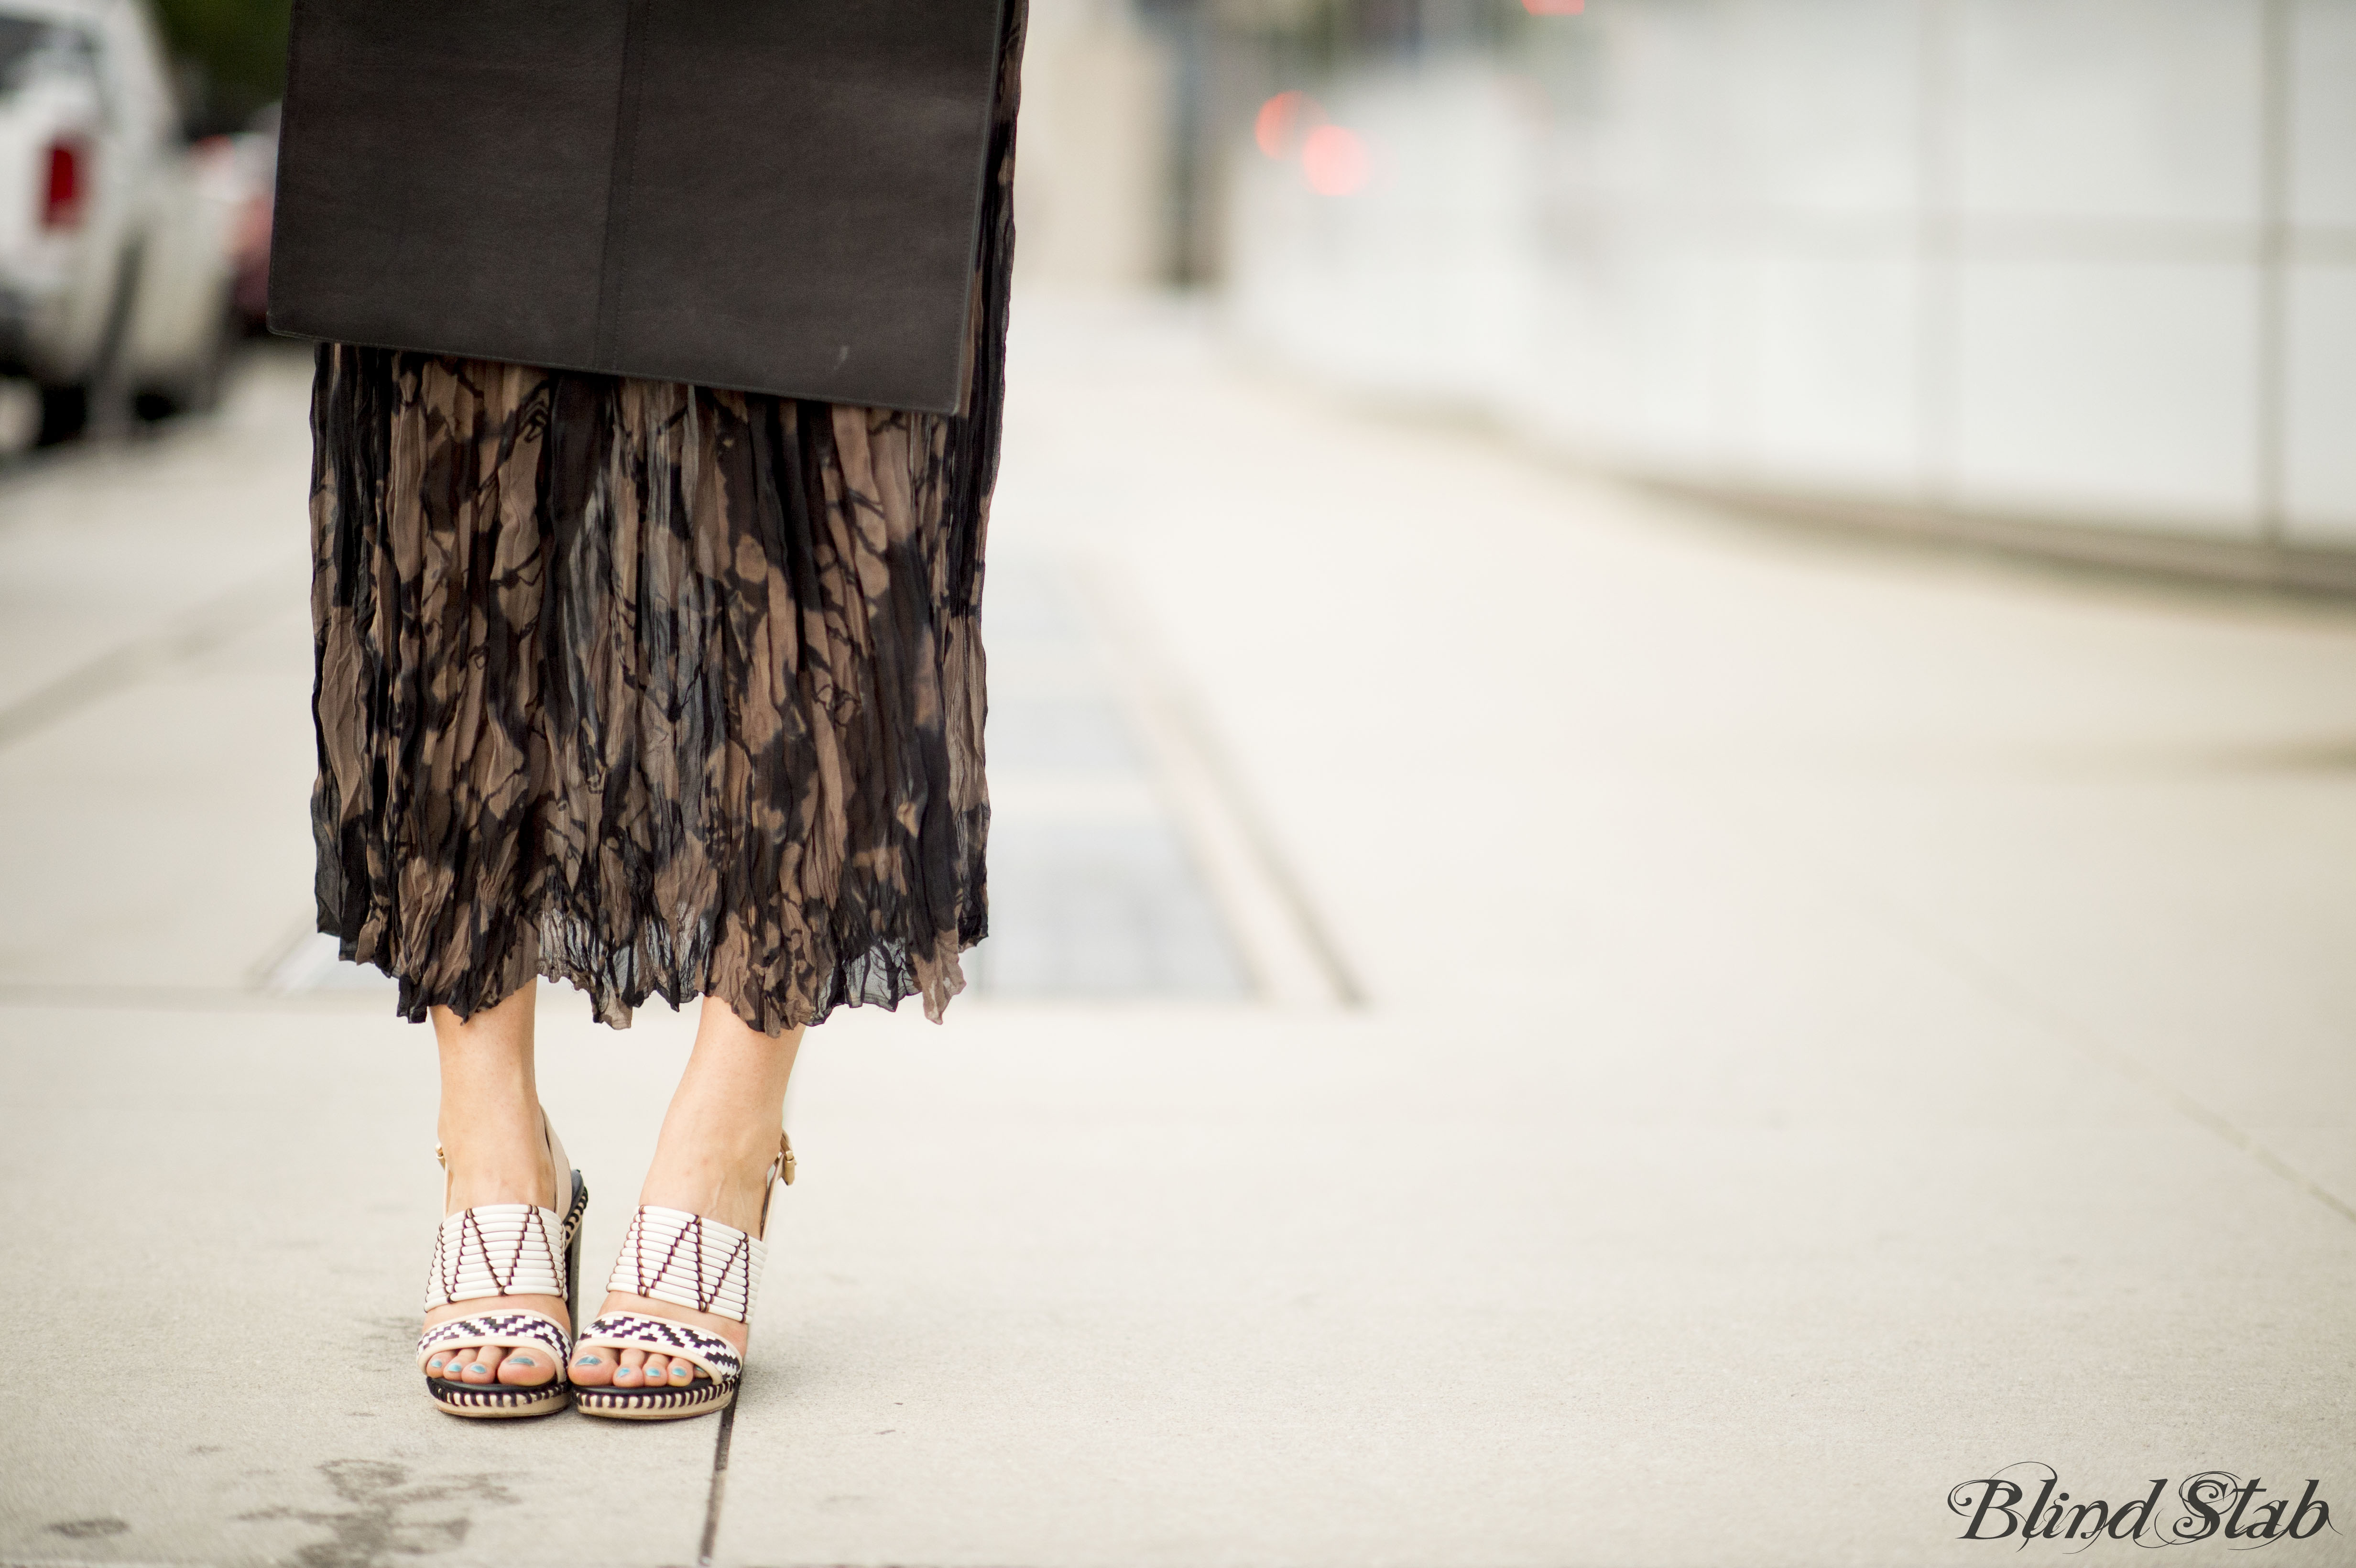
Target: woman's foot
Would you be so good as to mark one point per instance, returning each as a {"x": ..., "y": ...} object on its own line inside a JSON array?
[
  {"x": 719, "y": 1141},
  {"x": 698, "y": 1180},
  {"x": 495, "y": 1146}
]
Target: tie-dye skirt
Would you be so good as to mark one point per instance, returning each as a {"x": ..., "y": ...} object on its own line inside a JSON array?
[{"x": 655, "y": 689}]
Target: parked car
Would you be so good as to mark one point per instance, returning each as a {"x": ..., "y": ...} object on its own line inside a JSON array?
[
  {"x": 247, "y": 166},
  {"x": 114, "y": 261}
]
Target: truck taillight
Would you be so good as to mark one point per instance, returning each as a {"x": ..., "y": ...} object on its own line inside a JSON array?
[{"x": 67, "y": 189}]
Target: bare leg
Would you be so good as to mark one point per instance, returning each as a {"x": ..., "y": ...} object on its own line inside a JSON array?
[
  {"x": 491, "y": 1136},
  {"x": 718, "y": 1138}
]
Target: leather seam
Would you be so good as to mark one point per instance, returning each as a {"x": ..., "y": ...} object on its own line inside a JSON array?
[{"x": 975, "y": 240}]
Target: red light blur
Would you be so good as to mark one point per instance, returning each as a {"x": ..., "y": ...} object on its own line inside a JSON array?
[
  {"x": 1554, "y": 7},
  {"x": 67, "y": 189},
  {"x": 1278, "y": 125},
  {"x": 1334, "y": 161}
]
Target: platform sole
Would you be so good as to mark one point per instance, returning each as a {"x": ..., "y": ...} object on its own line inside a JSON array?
[
  {"x": 650, "y": 1404},
  {"x": 494, "y": 1402}
]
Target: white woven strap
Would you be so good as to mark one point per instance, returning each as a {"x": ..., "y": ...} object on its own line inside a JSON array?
[
  {"x": 499, "y": 1249},
  {"x": 632, "y": 1331},
  {"x": 516, "y": 1330},
  {"x": 690, "y": 1260}
]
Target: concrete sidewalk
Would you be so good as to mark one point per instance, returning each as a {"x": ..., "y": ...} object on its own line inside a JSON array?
[{"x": 1741, "y": 1033}]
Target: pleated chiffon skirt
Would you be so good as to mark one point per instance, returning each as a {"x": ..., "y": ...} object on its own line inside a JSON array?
[{"x": 655, "y": 689}]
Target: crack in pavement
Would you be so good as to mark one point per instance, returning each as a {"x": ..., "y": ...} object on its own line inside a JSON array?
[{"x": 213, "y": 625}]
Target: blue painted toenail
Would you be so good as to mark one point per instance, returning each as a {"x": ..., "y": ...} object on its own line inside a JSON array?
[{"x": 591, "y": 1361}]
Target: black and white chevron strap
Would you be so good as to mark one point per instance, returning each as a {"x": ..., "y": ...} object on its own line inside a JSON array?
[
  {"x": 514, "y": 1330},
  {"x": 628, "y": 1330}
]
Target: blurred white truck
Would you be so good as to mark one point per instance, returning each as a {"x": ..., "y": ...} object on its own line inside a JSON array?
[{"x": 114, "y": 264}]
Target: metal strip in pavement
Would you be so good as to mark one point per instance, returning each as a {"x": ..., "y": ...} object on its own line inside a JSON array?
[{"x": 1292, "y": 954}]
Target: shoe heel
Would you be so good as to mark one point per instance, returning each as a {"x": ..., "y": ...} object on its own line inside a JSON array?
[{"x": 572, "y": 1256}]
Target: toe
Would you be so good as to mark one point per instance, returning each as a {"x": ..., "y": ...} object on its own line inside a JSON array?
[
  {"x": 593, "y": 1366},
  {"x": 437, "y": 1365},
  {"x": 628, "y": 1374},
  {"x": 656, "y": 1371},
  {"x": 681, "y": 1373},
  {"x": 483, "y": 1367},
  {"x": 527, "y": 1368}
]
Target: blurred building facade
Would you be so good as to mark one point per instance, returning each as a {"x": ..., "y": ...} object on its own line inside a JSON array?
[
  {"x": 1092, "y": 204},
  {"x": 2077, "y": 273}
]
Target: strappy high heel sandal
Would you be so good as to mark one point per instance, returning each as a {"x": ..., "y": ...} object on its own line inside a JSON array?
[
  {"x": 675, "y": 1256},
  {"x": 507, "y": 1249}
]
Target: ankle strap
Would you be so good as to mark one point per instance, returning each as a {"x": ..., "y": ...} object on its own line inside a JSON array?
[{"x": 781, "y": 1169}]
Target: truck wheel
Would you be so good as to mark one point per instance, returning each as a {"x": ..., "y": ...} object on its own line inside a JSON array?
[{"x": 65, "y": 413}]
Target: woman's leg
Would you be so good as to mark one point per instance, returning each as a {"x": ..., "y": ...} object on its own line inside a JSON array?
[
  {"x": 718, "y": 1139},
  {"x": 497, "y": 1153}
]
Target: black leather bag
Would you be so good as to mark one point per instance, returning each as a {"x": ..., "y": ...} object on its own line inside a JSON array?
[{"x": 780, "y": 196}]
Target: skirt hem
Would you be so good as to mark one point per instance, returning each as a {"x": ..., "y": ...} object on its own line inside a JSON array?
[{"x": 615, "y": 1008}]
